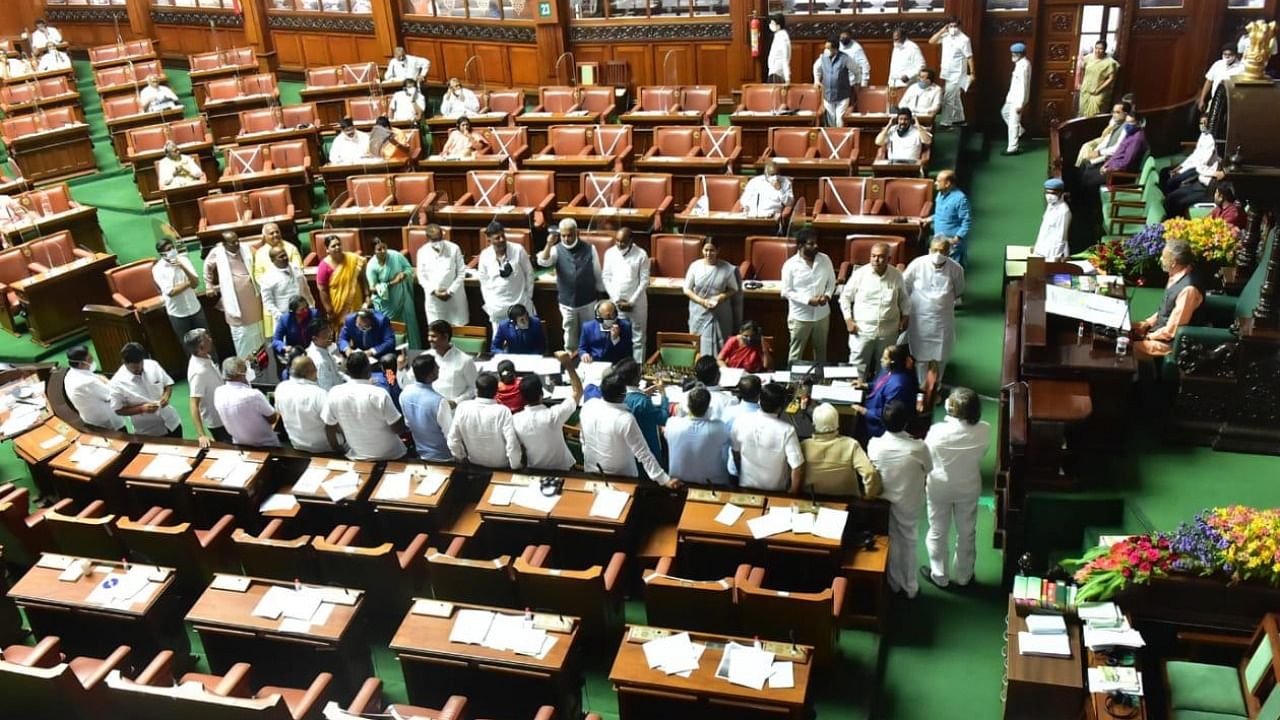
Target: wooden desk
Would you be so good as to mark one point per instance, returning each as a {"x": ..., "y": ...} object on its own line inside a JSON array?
[
  {"x": 119, "y": 128},
  {"x": 182, "y": 205},
  {"x": 335, "y": 176},
  {"x": 643, "y": 122},
  {"x": 121, "y": 59},
  {"x": 645, "y": 693},
  {"x": 866, "y": 601},
  {"x": 684, "y": 172},
  {"x": 309, "y": 133},
  {"x": 1042, "y": 688},
  {"x": 92, "y": 475},
  {"x": 435, "y": 667},
  {"x": 150, "y": 485},
  {"x": 638, "y": 219},
  {"x": 331, "y": 100},
  {"x": 451, "y": 174},
  {"x": 60, "y": 154},
  {"x": 891, "y": 168},
  {"x": 39, "y": 103},
  {"x": 539, "y": 123},
  {"x": 299, "y": 180},
  {"x": 730, "y": 229},
  {"x": 200, "y": 77},
  {"x": 282, "y": 651},
  {"x": 568, "y": 168},
  {"x": 381, "y": 217},
  {"x": 41, "y": 444},
  {"x": 834, "y": 227},
  {"x": 54, "y": 298},
  {"x": 92, "y": 623},
  {"x": 81, "y": 221},
  {"x": 238, "y": 495},
  {"x": 755, "y": 128},
  {"x": 1096, "y": 707},
  {"x": 440, "y": 126},
  {"x": 699, "y": 517},
  {"x": 404, "y": 517},
  {"x": 224, "y": 115},
  {"x": 317, "y": 509}
]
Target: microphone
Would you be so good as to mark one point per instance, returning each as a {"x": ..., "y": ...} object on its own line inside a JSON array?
[{"x": 573, "y": 70}]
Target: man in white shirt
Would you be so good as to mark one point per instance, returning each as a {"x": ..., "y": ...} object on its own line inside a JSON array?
[
  {"x": 458, "y": 101},
  {"x": 808, "y": 284},
  {"x": 611, "y": 439},
  {"x": 280, "y": 284},
  {"x": 1202, "y": 162},
  {"x": 1055, "y": 225},
  {"x": 904, "y": 138},
  {"x": 403, "y": 66},
  {"x": 408, "y": 104},
  {"x": 53, "y": 59},
  {"x": 956, "y": 447},
  {"x": 956, "y": 69},
  {"x": 245, "y": 412},
  {"x": 350, "y": 146},
  {"x": 903, "y": 463},
  {"x": 324, "y": 354},
  {"x": 778, "y": 64},
  {"x": 766, "y": 195},
  {"x": 1100, "y": 149},
  {"x": 365, "y": 415},
  {"x": 156, "y": 97},
  {"x": 89, "y": 392},
  {"x": 861, "y": 75},
  {"x": 44, "y": 35},
  {"x": 1015, "y": 101},
  {"x": 876, "y": 310},
  {"x": 300, "y": 404},
  {"x": 457, "y": 370},
  {"x": 177, "y": 170},
  {"x": 906, "y": 62},
  {"x": 1223, "y": 70},
  {"x": 935, "y": 283},
  {"x": 506, "y": 275},
  {"x": 625, "y": 273},
  {"x": 441, "y": 270},
  {"x": 540, "y": 428},
  {"x": 766, "y": 449},
  {"x": 482, "y": 432},
  {"x": 922, "y": 97},
  {"x": 175, "y": 277},
  {"x": 203, "y": 378},
  {"x": 140, "y": 390}
]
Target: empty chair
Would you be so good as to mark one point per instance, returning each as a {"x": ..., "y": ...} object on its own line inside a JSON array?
[
  {"x": 368, "y": 191},
  {"x": 672, "y": 254},
  {"x": 132, "y": 284},
  {"x": 908, "y": 197},
  {"x": 510, "y": 142},
  {"x": 195, "y": 554},
  {"x": 483, "y": 581},
  {"x": 231, "y": 695},
  {"x": 568, "y": 141},
  {"x": 705, "y": 605},
  {"x": 268, "y": 555},
  {"x": 417, "y": 189},
  {"x": 763, "y": 98},
  {"x": 676, "y": 349},
  {"x": 721, "y": 191},
  {"x": 509, "y": 101},
  {"x": 593, "y": 593},
  {"x": 246, "y": 161},
  {"x": 858, "y": 252},
  {"x": 13, "y": 268},
  {"x": 53, "y": 250},
  {"x": 390, "y": 576},
  {"x": 872, "y": 99},
  {"x": 90, "y": 532},
  {"x": 765, "y": 257},
  {"x": 797, "y": 143},
  {"x": 845, "y": 196},
  {"x": 290, "y": 154},
  {"x": 369, "y": 701},
  {"x": 38, "y": 682},
  {"x": 24, "y": 535},
  {"x": 806, "y": 618}
]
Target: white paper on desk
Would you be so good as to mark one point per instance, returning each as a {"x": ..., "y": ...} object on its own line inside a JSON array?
[
  {"x": 240, "y": 477},
  {"x": 838, "y": 394},
  {"x": 561, "y": 392},
  {"x": 394, "y": 486},
  {"x": 221, "y": 468},
  {"x": 300, "y": 604},
  {"x": 1048, "y": 645},
  {"x": 771, "y": 523},
  {"x": 231, "y": 583},
  {"x": 729, "y": 514},
  {"x": 783, "y": 676},
  {"x": 674, "y": 394},
  {"x": 278, "y": 502},
  {"x": 432, "y": 481},
  {"x": 309, "y": 481},
  {"x": 341, "y": 487},
  {"x": 22, "y": 417},
  {"x": 132, "y": 582},
  {"x": 53, "y": 561},
  {"x": 531, "y": 497},
  {"x": 1099, "y": 614},
  {"x": 750, "y": 667},
  {"x": 502, "y": 631},
  {"x": 338, "y": 596},
  {"x": 1125, "y": 636},
  {"x": 609, "y": 503},
  {"x": 73, "y": 571},
  {"x": 830, "y": 523},
  {"x": 501, "y": 495},
  {"x": 729, "y": 377},
  {"x": 322, "y": 613},
  {"x": 271, "y": 604},
  {"x": 471, "y": 626},
  {"x": 528, "y": 640},
  {"x": 525, "y": 363},
  {"x": 52, "y": 442},
  {"x": 1046, "y": 625},
  {"x": 293, "y": 625},
  {"x": 166, "y": 466},
  {"x": 672, "y": 654},
  {"x": 802, "y": 522},
  {"x": 781, "y": 376}
]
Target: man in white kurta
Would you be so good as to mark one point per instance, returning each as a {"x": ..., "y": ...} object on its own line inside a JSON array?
[
  {"x": 904, "y": 463},
  {"x": 177, "y": 170},
  {"x": 1015, "y": 101},
  {"x": 481, "y": 432},
  {"x": 956, "y": 447},
  {"x": 957, "y": 71},
  {"x": 441, "y": 270},
  {"x": 350, "y": 146},
  {"x": 228, "y": 270},
  {"x": 876, "y": 310},
  {"x": 408, "y": 104},
  {"x": 156, "y": 97},
  {"x": 280, "y": 284},
  {"x": 458, "y": 101},
  {"x": 625, "y": 273},
  {"x": 935, "y": 283},
  {"x": 53, "y": 59},
  {"x": 766, "y": 194},
  {"x": 403, "y": 66},
  {"x": 44, "y": 35},
  {"x": 861, "y": 75},
  {"x": 778, "y": 64},
  {"x": 1051, "y": 240},
  {"x": 923, "y": 96},
  {"x": 905, "y": 62},
  {"x": 506, "y": 275},
  {"x": 1223, "y": 70},
  {"x": 456, "y": 380}
]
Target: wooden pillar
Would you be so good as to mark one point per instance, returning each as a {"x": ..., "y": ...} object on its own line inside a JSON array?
[
  {"x": 1247, "y": 255},
  {"x": 258, "y": 34},
  {"x": 551, "y": 32},
  {"x": 386, "y": 24},
  {"x": 140, "y": 17},
  {"x": 1267, "y": 315}
]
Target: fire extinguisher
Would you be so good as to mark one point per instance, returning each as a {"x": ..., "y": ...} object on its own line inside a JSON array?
[{"x": 755, "y": 36}]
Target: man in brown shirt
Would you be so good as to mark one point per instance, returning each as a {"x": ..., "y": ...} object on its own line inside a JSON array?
[{"x": 834, "y": 463}]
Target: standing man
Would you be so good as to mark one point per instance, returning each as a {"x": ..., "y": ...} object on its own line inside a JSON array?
[
  {"x": 140, "y": 390},
  {"x": 300, "y": 403},
  {"x": 935, "y": 283},
  {"x": 281, "y": 285},
  {"x": 228, "y": 270},
  {"x": 1015, "y": 101},
  {"x": 808, "y": 284},
  {"x": 506, "y": 276},
  {"x": 177, "y": 281},
  {"x": 1221, "y": 71},
  {"x": 323, "y": 354},
  {"x": 861, "y": 76},
  {"x": 766, "y": 449},
  {"x": 956, "y": 446},
  {"x": 540, "y": 428},
  {"x": 578, "y": 278},
  {"x": 778, "y": 65},
  {"x": 272, "y": 238},
  {"x": 904, "y": 463},
  {"x": 835, "y": 72},
  {"x": 626, "y": 281},
  {"x": 365, "y": 415},
  {"x": 403, "y": 66},
  {"x": 957, "y": 72},
  {"x": 441, "y": 271},
  {"x": 203, "y": 379},
  {"x": 44, "y": 35},
  {"x": 482, "y": 432},
  {"x": 922, "y": 97},
  {"x": 245, "y": 412},
  {"x": 906, "y": 62},
  {"x": 426, "y": 412},
  {"x": 951, "y": 218},
  {"x": 1055, "y": 226},
  {"x": 612, "y": 443},
  {"x": 876, "y": 310},
  {"x": 89, "y": 392},
  {"x": 457, "y": 378}
]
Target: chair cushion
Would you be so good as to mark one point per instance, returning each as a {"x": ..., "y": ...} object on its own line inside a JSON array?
[
  {"x": 469, "y": 345},
  {"x": 85, "y": 667},
  {"x": 1199, "y": 715},
  {"x": 678, "y": 356},
  {"x": 1208, "y": 688}
]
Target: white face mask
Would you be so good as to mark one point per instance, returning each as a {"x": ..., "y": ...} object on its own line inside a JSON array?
[
  {"x": 939, "y": 259},
  {"x": 953, "y": 32},
  {"x": 171, "y": 255},
  {"x": 569, "y": 241},
  {"x": 1051, "y": 199}
]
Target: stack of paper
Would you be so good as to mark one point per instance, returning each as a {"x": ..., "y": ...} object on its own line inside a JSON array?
[
  {"x": 777, "y": 520},
  {"x": 729, "y": 377},
  {"x": 221, "y": 468},
  {"x": 341, "y": 486},
  {"x": 1100, "y": 615},
  {"x": 296, "y": 608},
  {"x": 169, "y": 467},
  {"x": 120, "y": 590},
  {"x": 91, "y": 457},
  {"x": 470, "y": 627},
  {"x": 278, "y": 502},
  {"x": 609, "y": 503},
  {"x": 22, "y": 417},
  {"x": 1046, "y": 625},
  {"x": 309, "y": 482},
  {"x": 1048, "y": 645},
  {"x": 240, "y": 476},
  {"x": 394, "y": 486},
  {"x": 1109, "y": 679},
  {"x": 432, "y": 480},
  {"x": 501, "y": 495},
  {"x": 1123, "y": 636},
  {"x": 746, "y": 666},
  {"x": 674, "y": 654},
  {"x": 498, "y": 631},
  {"x": 531, "y": 497},
  {"x": 830, "y": 523}
]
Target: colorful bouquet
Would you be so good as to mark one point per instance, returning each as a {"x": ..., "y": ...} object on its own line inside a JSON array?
[
  {"x": 1213, "y": 240},
  {"x": 1105, "y": 571},
  {"x": 1142, "y": 251},
  {"x": 1110, "y": 257},
  {"x": 1240, "y": 542}
]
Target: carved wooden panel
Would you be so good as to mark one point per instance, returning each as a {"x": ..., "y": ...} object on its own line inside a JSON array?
[
  {"x": 1060, "y": 51},
  {"x": 1062, "y": 22},
  {"x": 641, "y": 59},
  {"x": 524, "y": 65}
]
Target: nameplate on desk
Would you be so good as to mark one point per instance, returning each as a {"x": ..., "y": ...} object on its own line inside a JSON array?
[
  {"x": 552, "y": 623},
  {"x": 700, "y": 495},
  {"x": 746, "y": 500},
  {"x": 785, "y": 650},
  {"x": 644, "y": 633},
  {"x": 231, "y": 583},
  {"x": 432, "y": 608}
]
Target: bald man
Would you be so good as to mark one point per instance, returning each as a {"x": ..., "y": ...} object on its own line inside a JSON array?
[
  {"x": 299, "y": 401},
  {"x": 951, "y": 218}
]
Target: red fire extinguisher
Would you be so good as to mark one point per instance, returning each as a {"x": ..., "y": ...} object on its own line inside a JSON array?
[{"x": 755, "y": 36}]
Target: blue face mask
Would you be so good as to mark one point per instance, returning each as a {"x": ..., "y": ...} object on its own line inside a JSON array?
[
  {"x": 1130, "y": 128},
  {"x": 924, "y": 84}
]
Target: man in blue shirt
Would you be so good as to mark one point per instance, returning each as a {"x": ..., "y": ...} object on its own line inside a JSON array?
[
  {"x": 649, "y": 417},
  {"x": 951, "y": 215},
  {"x": 293, "y": 330},
  {"x": 607, "y": 337},
  {"x": 426, "y": 412},
  {"x": 367, "y": 331},
  {"x": 519, "y": 334},
  {"x": 699, "y": 446}
]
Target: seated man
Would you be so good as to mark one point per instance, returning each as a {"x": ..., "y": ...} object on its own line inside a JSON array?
[
  {"x": 156, "y": 97},
  {"x": 350, "y": 146},
  {"x": 904, "y": 139},
  {"x": 1226, "y": 206},
  {"x": 458, "y": 101},
  {"x": 1180, "y": 305},
  {"x": 923, "y": 97},
  {"x": 607, "y": 337},
  {"x": 244, "y": 410},
  {"x": 1100, "y": 149},
  {"x": 1128, "y": 156},
  {"x": 367, "y": 331},
  {"x": 53, "y": 59},
  {"x": 408, "y": 104},
  {"x": 293, "y": 329},
  {"x": 520, "y": 334},
  {"x": 767, "y": 194},
  {"x": 835, "y": 464},
  {"x": 176, "y": 170}
]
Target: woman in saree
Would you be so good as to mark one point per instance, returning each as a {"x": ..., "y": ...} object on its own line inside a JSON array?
[
  {"x": 463, "y": 142},
  {"x": 710, "y": 285},
  {"x": 1098, "y": 80},
  {"x": 341, "y": 280},
  {"x": 390, "y": 279}
]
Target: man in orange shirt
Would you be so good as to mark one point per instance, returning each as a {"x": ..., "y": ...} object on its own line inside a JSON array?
[{"x": 1183, "y": 297}]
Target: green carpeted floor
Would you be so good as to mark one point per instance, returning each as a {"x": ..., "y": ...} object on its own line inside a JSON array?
[{"x": 940, "y": 655}]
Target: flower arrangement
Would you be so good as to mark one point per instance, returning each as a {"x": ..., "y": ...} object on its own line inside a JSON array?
[
  {"x": 1142, "y": 251},
  {"x": 1110, "y": 257},
  {"x": 1105, "y": 571},
  {"x": 1240, "y": 542},
  {"x": 1212, "y": 240}
]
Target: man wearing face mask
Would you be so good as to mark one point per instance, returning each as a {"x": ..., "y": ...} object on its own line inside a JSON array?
[
  {"x": 89, "y": 392},
  {"x": 403, "y": 66},
  {"x": 280, "y": 286},
  {"x": 292, "y": 332},
  {"x": 408, "y": 105},
  {"x": 1127, "y": 157},
  {"x": 957, "y": 70},
  {"x": 606, "y": 337},
  {"x": 835, "y": 72},
  {"x": 441, "y": 271},
  {"x": 1203, "y": 158},
  {"x": 906, "y": 62},
  {"x": 458, "y": 101},
  {"x": 519, "y": 334},
  {"x": 506, "y": 275},
  {"x": 861, "y": 73},
  {"x": 951, "y": 219},
  {"x": 140, "y": 390},
  {"x": 1221, "y": 71},
  {"x": 1015, "y": 101},
  {"x": 904, "y": 138},
  {"x": 579, "y": 279},
  {"x": 176, "y": 278},
  {"x": 1099, "y": 149},
  {"x": 778, "y": 64},
  {"x": 1051, "y": 241},
  {"x": 626, "y": 281},
  {"x": 767, "y": 194},
  {"x": 876, "y": 310},
  {"x": 1180, "y": 305},
  {"x": 808, "y": 284},
  {"x": 228, "y": 270},
  {"x": 923, "y": 97},
  {"x": 935, "y": 283},
  {"x": 350, "y": 146}
]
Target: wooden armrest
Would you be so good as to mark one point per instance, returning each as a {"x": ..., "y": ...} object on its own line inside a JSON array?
[
  {"x": 92, "y": 511},
  {"x": 653, "y": 150},
  {"x": 81, "y": 252},
  {"x": 45, "y": 654},
  {"x": 740, "y": 578},
  {"x": 219, "y": 534},
  {"x": 466, "y": 199},
  {"x": 455, "y": 547},
  {"x": 621, "y": 201},
  {"x": 315, "y": 696},
  {"x": 155, "y": 516},
  {"x": 455, "y": 708},
  {"x": 1192, "y": 637},
  {"x": 506, "y": 199},
  {"x": 415, "y": 553},
  {"x": 368, "y": 699},
  {"x": 839, "y": 587},
  {"x": 159, "y": 672},
  {"x": 664, "y": 565},
  {"x": 842, "y": 276},
  {"x": 693, "y": 152},
  {"x": 811, "y": 153},
  {"x": 877, "y": 205},
  {"x": 613, "y": 571},
  {"x": 121, "y": 300},
  {"x": 111, "y": 662},
  {"x": 235, "y": 683},
  {"x": 36, "y": 268},
  {"x": 271, "y": 529},
  {"x": 756, "y": 578},
  {"x": 335, "y": 535}
]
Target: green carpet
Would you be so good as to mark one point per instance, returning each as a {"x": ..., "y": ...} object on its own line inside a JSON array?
[{"x": 940, "y": 654}]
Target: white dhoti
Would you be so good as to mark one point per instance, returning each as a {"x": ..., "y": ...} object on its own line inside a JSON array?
[
  {"x": 952, "y": 110},
  {"x": 902, "y": 549},
  {"x": 1013, "y": 123},
  {"x": 638, "y": 316},
  {"x": 943, "y": 512},
  {"x": 247, "y": 339},
  {"x": 834, "y": 112}
]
